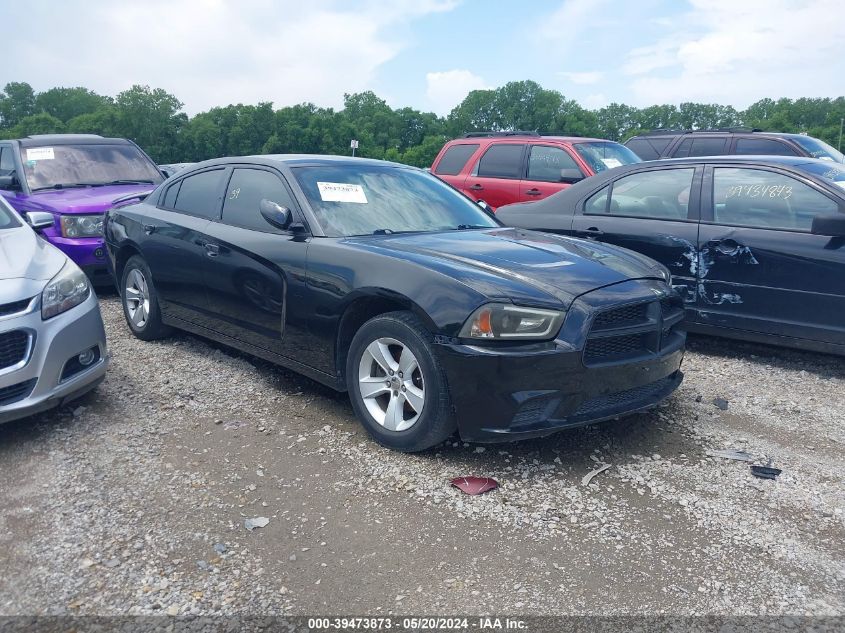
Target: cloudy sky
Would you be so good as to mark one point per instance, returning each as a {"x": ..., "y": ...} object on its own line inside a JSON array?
[{"x": 429, "y": 53}]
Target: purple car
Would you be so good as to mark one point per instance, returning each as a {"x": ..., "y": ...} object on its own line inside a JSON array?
[{"x": 74, "y": 177}]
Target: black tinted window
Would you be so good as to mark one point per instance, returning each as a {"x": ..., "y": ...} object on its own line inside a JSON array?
[
  {"x": 7, "y": 160},
  {"x": 247, "y": 188},
  {"x": 642, "y": 148},
  {"x": 546, "y": 162},
  {"x": 502, "y": 161},
  {"x": 708, "y": 146},
  {"x": 200, "y": 194},
  {"x": 170, "y": 196},
  {"x": 661, "y": 195},
  {"x": 454, "y": 159},
  {"x": 765, "y": 199},
  {"x": 763, "y": 146}
]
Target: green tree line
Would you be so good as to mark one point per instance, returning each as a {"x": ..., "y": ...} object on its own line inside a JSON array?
[{"x": 154, "y": 119}]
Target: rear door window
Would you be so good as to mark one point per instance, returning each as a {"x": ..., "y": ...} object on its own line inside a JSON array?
[
  {"x": 766, "y": 199},
  {"x": 247, "y": 188},
  {"x": 454, "y": 159},
  {"x": 659, "y": 195},
  {"x": 502, "y": 161},
  {"x": 200, "y": 194},
  {"x": 763, "y": 146},
  {"x": 707, "y": 146}
]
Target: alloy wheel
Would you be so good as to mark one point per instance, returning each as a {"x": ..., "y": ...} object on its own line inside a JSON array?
[
  {"x": 137, "y": 298},
  {"x": 391, "y": 384}
]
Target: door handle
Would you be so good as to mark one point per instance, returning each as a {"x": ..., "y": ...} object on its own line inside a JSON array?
[
  {"x": 149, "y": 229},
  {"x": 593, "y": 231},
  {"x": 534, "y": 192},
  {"x": 212, "y": 250},
  {"x": 727, "y": 247},
  {"x": 477, "y": 187}
]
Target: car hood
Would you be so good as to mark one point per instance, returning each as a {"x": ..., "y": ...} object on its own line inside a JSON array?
[
  {"x": 27, "y": 262},
  {"x": 516, "y": 264},
  {"x": 82, "y": 200}
]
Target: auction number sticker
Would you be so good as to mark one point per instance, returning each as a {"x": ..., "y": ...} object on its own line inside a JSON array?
[
  {"x": 610, "y": 163},
  {"x": 341, "y": 192},
  {"x": 40, "y": 153}
]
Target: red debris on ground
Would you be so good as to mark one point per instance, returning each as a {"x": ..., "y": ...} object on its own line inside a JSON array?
[{"x": 475, "y": 485}]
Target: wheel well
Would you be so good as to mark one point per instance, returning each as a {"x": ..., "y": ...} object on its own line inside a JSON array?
[
  {"x": 120, "y": 260},
  {"x": 356, "y": 314}
]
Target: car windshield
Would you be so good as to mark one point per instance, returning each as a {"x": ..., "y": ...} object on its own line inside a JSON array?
[
  {"x": 601, "y": 155},
  {"x": 8, "y": 219},
  {"x": 834, "y": 173},
  {"x": 819, "y": 149},
  {"x": 366, "y": 199},
  {"x": 88, "y": 165}
]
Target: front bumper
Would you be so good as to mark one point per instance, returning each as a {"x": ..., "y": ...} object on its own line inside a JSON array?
[
  {"x": 503, "y": 393},
  {"x": 37, "y": 383},
  {"x": 89, "y": 253}
]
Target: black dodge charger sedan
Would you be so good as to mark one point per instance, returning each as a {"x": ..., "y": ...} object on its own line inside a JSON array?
[
  {"x": 381, "y": 280},
  {"x": 755, "y": 245}
]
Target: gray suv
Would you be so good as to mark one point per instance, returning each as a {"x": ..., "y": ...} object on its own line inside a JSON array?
[
  {"x": 728, "y": 142},
  {"x": 52, "y": 340}
]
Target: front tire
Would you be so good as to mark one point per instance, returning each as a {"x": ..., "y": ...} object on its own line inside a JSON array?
[
  {"x": 140, "y": 301},
  {"x": 397, "y": 386}
]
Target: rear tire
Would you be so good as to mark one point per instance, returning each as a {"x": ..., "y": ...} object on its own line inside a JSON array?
[
  {"x": 397, "y": 385},
  {"x": 140, "y": 301}
]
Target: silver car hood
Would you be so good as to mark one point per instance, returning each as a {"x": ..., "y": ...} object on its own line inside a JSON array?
[{"x": 27, "y": 262}]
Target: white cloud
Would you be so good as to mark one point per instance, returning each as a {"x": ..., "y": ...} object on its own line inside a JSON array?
[
  {"x": 725, "y": 51},
  {"x": 447, "y": 89},
  {"x": 210, "y": 52},
  {"x": 571, "y": 19},
  {"x": 583, "y": 78},
  {"x": 595, "y": 101}
]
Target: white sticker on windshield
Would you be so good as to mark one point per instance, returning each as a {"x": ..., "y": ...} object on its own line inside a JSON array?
[
  {"x": 341, "y": 192},
  {"x": 40, "y": 153},
  {"x": 610, "y": 163}
]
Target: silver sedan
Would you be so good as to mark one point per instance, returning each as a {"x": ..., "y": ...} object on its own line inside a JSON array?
[{"x": 52, "y": 340}]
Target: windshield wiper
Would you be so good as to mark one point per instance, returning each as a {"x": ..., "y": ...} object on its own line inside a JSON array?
[
  {"x": 63, "y": 185},
  {"x": 126, "y": 182},
  {"x": 466, "y": 227}
]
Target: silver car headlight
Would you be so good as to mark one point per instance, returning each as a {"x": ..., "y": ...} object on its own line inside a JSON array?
[
  {"x": 82, "y": 225},
  {"x": 506, "y": 321},
  {"x": 67, "y": 289}
]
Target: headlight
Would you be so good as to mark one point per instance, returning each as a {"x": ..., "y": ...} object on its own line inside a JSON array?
[
  {"x": 82, "y": 225},
  {"x": 505, "y": 321},
  {"x": 67, "y": 289}
]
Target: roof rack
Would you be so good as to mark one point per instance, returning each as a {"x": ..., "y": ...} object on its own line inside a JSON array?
[
  {"x": 43, "y": 136},
  {"x": 510, "y": 133},
  {"x": 736, "y": 128}
]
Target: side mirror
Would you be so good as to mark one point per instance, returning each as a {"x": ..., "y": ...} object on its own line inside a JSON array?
[
  {"x": 832, "y": 225},
  {"x": 486, "y": 208},
  {"x": 39, "y": 220},
  {"x": 10, "y": 182},
  {"x": 570, "y": 175},
  {"x": 275, "y": 214}
]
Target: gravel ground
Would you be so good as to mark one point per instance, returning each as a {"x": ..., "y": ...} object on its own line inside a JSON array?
[{"x": 133, "y": 500}]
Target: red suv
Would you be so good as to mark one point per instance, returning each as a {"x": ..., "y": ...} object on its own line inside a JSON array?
[{"x": 505, "y": 167}]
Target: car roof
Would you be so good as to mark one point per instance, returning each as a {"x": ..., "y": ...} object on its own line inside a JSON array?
[
  {"x": 69, "y": 139},
  {"x": 464, "y": 140},
  {"x": 725, "y": 132},
  {"x": 296, "y": 160},
  {"x": 790, "y": 161}
]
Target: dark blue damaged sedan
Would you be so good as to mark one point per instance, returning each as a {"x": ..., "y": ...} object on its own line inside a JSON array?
[
  {"x": 381, "y": 280},
  {"x": 755, "y": 245}
]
